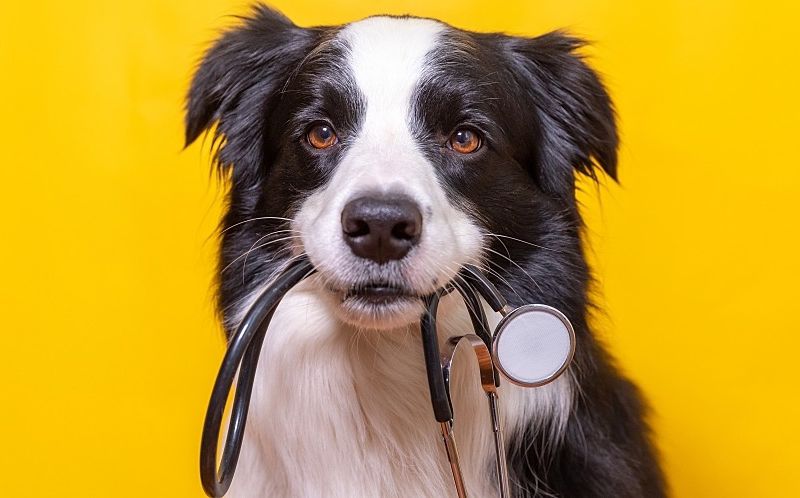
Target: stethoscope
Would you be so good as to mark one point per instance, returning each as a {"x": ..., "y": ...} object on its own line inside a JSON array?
[{"x": 531, "y": 346}]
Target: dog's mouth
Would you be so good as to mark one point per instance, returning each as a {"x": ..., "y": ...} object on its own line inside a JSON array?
[
  {"x": 378, "y": 294},
  {"x": 375, "y": 298},
  {"x": 378, "y": 305}
]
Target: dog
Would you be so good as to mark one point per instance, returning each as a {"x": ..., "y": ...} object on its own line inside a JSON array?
[{"x": 391, "y": 151}]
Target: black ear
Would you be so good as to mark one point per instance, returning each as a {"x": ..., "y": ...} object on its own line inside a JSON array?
[
  {"x": 237, "y": 76},
  {"x": 576, "y": 122}
]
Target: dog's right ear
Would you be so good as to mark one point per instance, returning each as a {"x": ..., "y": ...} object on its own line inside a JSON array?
[{"x": 246, "y": 66}]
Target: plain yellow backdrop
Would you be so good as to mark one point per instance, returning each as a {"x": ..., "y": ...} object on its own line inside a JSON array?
[{"x": 109, "y": 340}]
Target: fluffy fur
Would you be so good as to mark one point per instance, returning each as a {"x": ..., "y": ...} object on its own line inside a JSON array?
[{"x": 340, "y": 406}]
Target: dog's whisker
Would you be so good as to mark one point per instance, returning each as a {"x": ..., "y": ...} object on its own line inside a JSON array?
[
  {"x": 252, "y": 248},
  {"x": 497, "y": 235},
  {"x": 277, "y": 218},
  {"x": 487, "y": 269},
  {"x": 523, "y": 270}
]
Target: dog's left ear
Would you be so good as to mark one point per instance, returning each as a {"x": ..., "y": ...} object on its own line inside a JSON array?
[{"x": 576, "y": 123}]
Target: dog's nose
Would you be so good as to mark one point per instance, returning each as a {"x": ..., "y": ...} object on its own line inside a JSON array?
[{"x": 381, "y": 228}]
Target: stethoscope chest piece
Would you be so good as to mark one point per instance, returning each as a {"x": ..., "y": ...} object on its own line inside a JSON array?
[{"x": 533, "y": 345}]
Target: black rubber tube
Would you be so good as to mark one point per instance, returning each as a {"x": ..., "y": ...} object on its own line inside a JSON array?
[
  {"x": 476, "y": 313},
  {"x": 433, "y": 362},
  {"x": 475, "y": 277},
  {"x": 477, "y": 316},
  {"x": 243, "y": 349}
]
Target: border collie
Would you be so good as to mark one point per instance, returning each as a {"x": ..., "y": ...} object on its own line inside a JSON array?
[{"x": 391, "y": 151}]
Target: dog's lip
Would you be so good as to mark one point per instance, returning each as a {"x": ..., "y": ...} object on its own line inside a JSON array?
[{"x": 378, "y": 293}]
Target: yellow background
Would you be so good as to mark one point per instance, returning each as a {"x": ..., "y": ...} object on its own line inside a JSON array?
[{"x": 109, "y": 341}]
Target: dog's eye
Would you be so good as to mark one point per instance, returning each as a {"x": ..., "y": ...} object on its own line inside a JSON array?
[
  {"x": 465, "y": 141},
  {"x": 321, "y": 136}
]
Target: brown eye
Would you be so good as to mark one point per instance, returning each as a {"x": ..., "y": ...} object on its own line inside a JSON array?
[
  {"x": 465, "y": 141},
  {"x": 321, "y": 136}
]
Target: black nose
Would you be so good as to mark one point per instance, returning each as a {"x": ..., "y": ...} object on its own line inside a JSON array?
[{"x": 381, "y": 228}]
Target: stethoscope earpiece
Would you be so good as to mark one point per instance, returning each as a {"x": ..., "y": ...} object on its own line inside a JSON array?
[{"x": 533, "y": 345}]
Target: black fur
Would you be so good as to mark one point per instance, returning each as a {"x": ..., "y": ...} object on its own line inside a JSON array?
[{"x": 544, "y": 116}]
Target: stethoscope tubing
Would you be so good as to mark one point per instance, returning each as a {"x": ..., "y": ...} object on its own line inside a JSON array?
[
  {"x": 242, "y": 354},
  {"x": 476, "y": 279},
  {"x": 473, "y": 286},
  {"x": 474, "y": 283},
  {"x": 440, "y": 401},
  {"x": 477, "y": 315}
]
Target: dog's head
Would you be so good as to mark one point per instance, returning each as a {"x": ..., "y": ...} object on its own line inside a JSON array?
[{"x": 394, "y": 150}]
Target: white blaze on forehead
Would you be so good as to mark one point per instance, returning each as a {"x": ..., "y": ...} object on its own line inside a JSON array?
[{"x": 387, "y": 59}]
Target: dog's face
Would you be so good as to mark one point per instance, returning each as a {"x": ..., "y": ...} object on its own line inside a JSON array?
[{"x": 392, "y": 151}]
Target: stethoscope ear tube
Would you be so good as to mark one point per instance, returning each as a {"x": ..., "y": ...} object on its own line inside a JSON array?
[
  {"x": 480, "y": 325},
  {"x": 475, "y": 278},
  {"x": 243, "y": 349},
  {"x": 473, "y": 282},
  {"x": 433, "y": 366}
]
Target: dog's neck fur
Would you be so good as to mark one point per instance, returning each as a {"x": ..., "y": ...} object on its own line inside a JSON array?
[{"x": 343, "y": 413}]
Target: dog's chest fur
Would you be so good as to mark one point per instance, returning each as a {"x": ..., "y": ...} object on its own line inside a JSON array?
[{"x": 341, "y": 413}]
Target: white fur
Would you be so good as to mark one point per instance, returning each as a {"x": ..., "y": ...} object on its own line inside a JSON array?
[
  {"x": 338, "y": 412},
  {"x": 342, "y": 411},
  {"x": 387, "y": 59}
]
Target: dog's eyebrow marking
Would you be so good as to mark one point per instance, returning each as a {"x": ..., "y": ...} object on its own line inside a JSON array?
[
  {"x": 387, "y": 58},
  {"x": 327, "y": 45}
]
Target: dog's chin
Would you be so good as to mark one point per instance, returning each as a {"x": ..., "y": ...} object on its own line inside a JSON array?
[{"x": 378, "y": 308}]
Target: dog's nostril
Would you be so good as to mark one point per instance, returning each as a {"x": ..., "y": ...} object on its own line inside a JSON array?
[
  {"x": 381, "y": 228},
  {"x": 354, "y": 227},
  {"x": 406, "y": 230}
]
